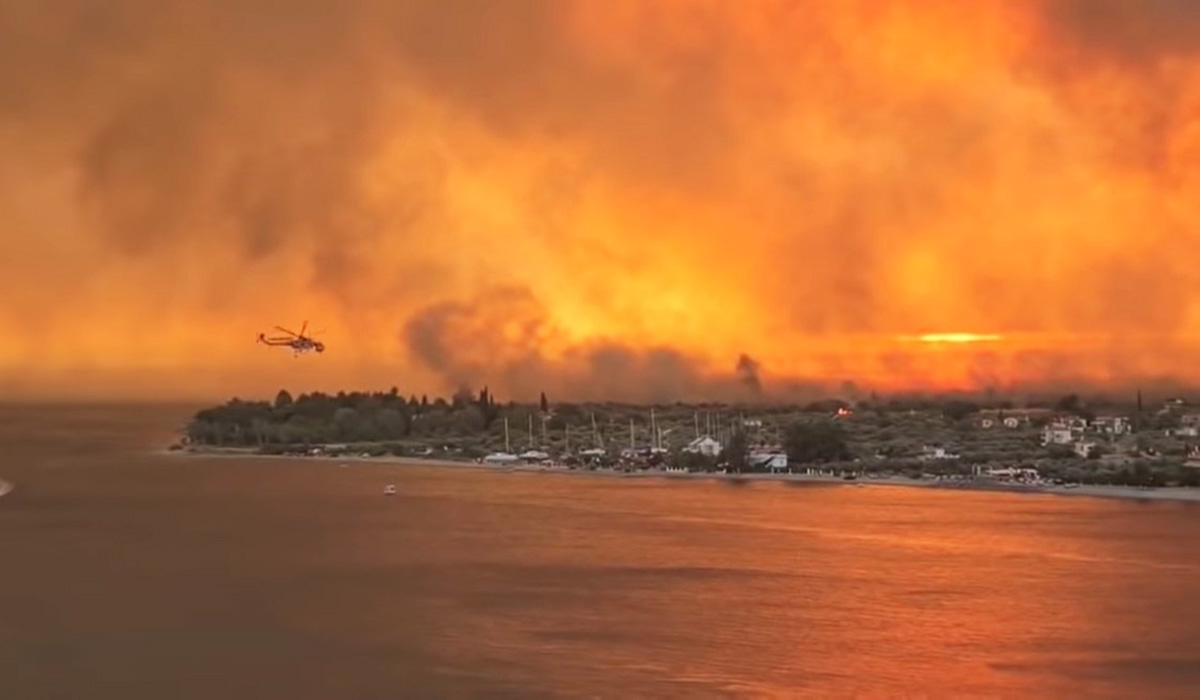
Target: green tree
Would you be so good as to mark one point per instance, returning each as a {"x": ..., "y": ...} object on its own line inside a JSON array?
[
  {"x": 345, "y": 422},
  {"x": 468, "y": 421},
  {"x": 823, "y": 441},
  {"x": 391, "y": 423},
  {"x": 1060, "y": 451},
  {"x": 262, "y": 430},
  {"x": 295, "y": 432},
  {"x": 696, "y": 462},
  {"x": 545, "y": 405},
  {"x": 1166, "y": 421},
  {"x": 958, "y": 410},
  {"x": 283, "y": 400},
  {"x": 735, "y": 453},
  {"x": 1142, "y": 476},
  {"x": 1069, "y": 403},
  {"x": 461, "y": 398}
]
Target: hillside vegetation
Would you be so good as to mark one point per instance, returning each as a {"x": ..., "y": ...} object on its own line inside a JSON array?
[{"x": 881, "y": 436}]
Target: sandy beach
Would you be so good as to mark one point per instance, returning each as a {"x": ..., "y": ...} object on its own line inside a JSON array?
[{"x": 1095, "y": 491}]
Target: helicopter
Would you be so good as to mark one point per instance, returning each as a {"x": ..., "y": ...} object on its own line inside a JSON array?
[{"x": 298, "y": 342}]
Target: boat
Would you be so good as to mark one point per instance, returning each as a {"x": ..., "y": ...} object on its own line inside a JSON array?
[
  {"x": 389, "y": 490},
  {"x": 501, "y": 458}
]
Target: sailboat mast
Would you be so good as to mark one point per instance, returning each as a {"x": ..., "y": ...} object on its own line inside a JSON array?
[{"x": 507, "y": 449}]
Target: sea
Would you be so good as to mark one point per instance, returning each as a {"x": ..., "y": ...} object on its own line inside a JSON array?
[{"x": 129, "y": 573}]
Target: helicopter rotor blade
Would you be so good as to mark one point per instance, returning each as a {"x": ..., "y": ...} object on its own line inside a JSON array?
[
  {"x": 303, "y": 327},
  {"x": 281, "y": 328}
]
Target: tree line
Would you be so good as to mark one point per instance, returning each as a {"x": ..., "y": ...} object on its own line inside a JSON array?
[
  {"x": 343, "y": 417},
  {"x": 383, "y": 417}
]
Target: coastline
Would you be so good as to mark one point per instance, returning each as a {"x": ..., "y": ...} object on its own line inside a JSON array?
[{"x": 1163, "y": 493}]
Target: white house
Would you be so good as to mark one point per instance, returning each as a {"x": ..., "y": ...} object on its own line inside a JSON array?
[
  {"x": 772, "y": 461},
  {"x": 1111, "y": 425},
  {"x": 928, "y": 452},
  {"x": 1011, "y": 473},
  {"x": 1058, "y": 433},
  {"x": 705, "y": 446},
  {"x": 1084, "y": 448}
]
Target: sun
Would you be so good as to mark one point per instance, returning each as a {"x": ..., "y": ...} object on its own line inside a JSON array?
[{"x": 955, "y": 337}]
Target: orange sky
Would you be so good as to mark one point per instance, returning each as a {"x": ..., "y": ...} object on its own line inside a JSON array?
[{"x": 602, "y": 198}]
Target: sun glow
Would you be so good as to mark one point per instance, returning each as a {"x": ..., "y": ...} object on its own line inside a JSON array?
[{"x": 956, "y": 337}]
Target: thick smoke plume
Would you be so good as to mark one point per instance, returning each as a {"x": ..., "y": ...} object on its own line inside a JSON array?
[
  {"x": 598, "y": 197},
  {"x": 747, "y": 369},
  {"x": 506, "y": 341}
]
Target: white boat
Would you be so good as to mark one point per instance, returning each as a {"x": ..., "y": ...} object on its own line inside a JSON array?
[
  {"x": 389, "y": 490},
  {"x": 500, "y": 458}
]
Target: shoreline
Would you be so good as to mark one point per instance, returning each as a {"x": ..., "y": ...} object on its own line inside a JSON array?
[{"x": 1177, "y": 494}]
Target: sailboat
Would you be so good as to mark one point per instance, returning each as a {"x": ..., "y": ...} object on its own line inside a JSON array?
[
  {"x": 533, "y": 455},
  {"x": 505, "y": 457},
  {"x": 656, "y": 436},
  {"x": 598, "y": 450}
]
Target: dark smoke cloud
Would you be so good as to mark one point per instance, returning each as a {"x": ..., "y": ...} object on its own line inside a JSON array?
[
  {"x": 747, "y": 371},
  {"x": 239, "y": 126},
  {"x": 1134, "y": 30},
  {"x": 499, "y": 338},
  {"x": 385, "y": 160}
]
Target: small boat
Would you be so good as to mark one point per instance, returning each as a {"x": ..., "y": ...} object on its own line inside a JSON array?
[{"x": 389, "y": 490}]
